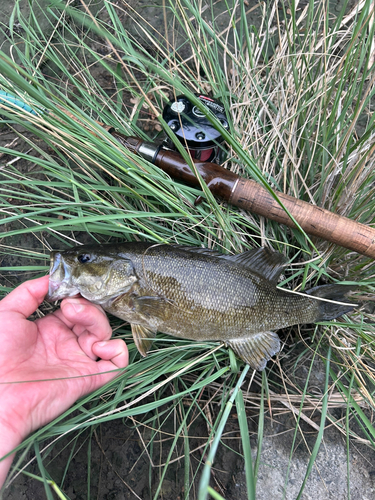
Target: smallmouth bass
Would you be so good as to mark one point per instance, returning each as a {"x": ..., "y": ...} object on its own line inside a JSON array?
[{"x": 193, "y": 293}]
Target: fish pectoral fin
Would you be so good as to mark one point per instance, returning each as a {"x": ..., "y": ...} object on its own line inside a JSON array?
[
  {"x": 257, "y": 349},
  {"x": 143, "y": 338},
  {"x": 152, "y": 307}
]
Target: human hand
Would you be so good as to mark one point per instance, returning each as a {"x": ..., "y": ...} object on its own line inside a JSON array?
[{"x": 44, "y": 355}]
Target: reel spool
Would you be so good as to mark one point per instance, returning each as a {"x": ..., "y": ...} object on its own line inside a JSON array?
[{"x": 193, "y": 129}]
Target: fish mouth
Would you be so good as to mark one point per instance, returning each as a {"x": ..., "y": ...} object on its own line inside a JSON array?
[{"x": 59, "y": 286}]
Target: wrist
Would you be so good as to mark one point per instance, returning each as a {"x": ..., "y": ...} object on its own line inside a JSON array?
[
  {"x": 12, "y": 432},
  {"x": 9, "y": 439}
]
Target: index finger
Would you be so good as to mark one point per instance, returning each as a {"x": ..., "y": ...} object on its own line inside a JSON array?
[
  {"x": 84, "y": 317},
  {"x": 26, "y": 298},
  {"x": 89, "y": 322}
]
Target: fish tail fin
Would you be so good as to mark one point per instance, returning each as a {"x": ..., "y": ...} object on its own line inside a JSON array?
[{"x": 336, "y": 293}]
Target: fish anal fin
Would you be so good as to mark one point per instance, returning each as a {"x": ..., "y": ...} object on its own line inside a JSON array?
[
  {"x": 257, "y": 349},
  {"x": 143, "y": 338},
  {"x": 263, "y": 261}
]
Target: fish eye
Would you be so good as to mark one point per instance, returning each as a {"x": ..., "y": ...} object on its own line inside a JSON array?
[{"x": 84, "y": 258}]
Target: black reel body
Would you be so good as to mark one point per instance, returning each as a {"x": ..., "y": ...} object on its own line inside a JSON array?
[{"x": 194, "y": 130}]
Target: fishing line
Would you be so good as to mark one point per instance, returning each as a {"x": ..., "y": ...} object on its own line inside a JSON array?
[{"x": 316, "y": 298}]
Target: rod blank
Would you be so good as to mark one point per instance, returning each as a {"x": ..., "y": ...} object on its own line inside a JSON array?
[{"x": 249, "y": 195}]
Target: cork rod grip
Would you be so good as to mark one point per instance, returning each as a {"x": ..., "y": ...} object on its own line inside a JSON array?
[
  {"x": 251, "y": 196},
  {"x": 316, "y": 221}
]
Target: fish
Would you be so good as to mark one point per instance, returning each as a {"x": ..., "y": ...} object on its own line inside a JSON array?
[{"x": 193, "y": 293}]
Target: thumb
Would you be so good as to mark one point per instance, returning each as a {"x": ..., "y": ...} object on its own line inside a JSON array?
[{"x": 26, "y": 298}]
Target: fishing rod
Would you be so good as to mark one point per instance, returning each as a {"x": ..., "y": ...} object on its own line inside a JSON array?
[
  {"x": 250, "y": 195},
  {"x": 204, "y": 144}
]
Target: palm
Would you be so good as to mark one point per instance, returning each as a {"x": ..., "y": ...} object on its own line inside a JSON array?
[{"x": 54, "y": 358}]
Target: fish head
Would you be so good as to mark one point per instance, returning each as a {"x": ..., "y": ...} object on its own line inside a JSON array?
[{"x": 96, "y": 274}]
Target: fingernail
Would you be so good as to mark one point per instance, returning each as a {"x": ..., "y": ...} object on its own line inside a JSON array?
[
  {"x": 77, "y": 305},
  {"x": 101, "y": 344}
]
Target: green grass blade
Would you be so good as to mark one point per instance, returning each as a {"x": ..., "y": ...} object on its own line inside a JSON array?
[
  {"x": 204, "y": 481},
  {"x": 319, "y": 437},
  {"x": 245, "y": 440}
]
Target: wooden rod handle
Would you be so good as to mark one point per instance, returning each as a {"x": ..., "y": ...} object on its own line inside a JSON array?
[
  {"x": 316, "y": 221},
  {"x": 249, "y": 195}
]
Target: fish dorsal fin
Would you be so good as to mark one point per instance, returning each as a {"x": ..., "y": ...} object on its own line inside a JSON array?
[
  {"x": 262, "y": 261},
  {"x": 257, "y": 349},
  {"x": 200, "y": 250},
  {"x": 143, "y": 338}
]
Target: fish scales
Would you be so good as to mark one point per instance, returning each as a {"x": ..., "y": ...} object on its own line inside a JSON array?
[
  {"x": 209, "y": 297},
  {"x": 191, "y": 293}
]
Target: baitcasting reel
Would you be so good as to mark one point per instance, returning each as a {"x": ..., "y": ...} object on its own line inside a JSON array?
[{"x": 194, "y": 130}]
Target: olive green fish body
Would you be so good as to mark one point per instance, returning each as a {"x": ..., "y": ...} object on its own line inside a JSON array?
[
  {"x": 207, "y": 298},
  {"x": 190, "y": 293}
]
